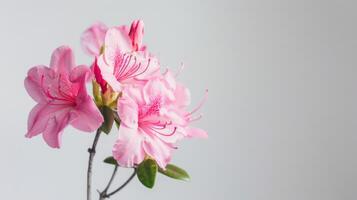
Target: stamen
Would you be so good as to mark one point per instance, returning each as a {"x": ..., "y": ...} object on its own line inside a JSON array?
[
  {"x": 163, "y": 134},
  {"x": 146, "y": 68},
  {"x": 133, "y": 68},
  {"x": 200, "y": 104},
  {"x": 196, "y": 118},
  {"x": 162, "y": 126},
  {"x": 122, "y": 65},
  {"x": 128, "y": 66},
  {"x": 180, "y": 70}
]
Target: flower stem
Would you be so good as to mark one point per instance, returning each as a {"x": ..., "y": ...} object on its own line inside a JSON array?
[
  {"x": 91, "y": 152},
  {"x": 104, "y": 195}
]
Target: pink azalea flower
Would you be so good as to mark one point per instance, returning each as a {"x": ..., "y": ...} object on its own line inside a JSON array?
[
  {"x": 153, "y": 119},
  {"x": 119, "y": 63},
  {"x": 61, "y": 97},
  {"x": 125, "y": 60}
]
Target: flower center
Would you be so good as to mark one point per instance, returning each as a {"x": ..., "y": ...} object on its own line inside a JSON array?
[
  {"x": 150, "y": 122},
  {"x": 60, "y": 92}
]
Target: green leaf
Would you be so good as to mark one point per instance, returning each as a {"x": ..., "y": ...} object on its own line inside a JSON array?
[
  {"x": 175, "y": 172},
  {"x": 146, "y": 172},
  {"x": 108, "y": 119},
  {"x": 110, "y": 160}
]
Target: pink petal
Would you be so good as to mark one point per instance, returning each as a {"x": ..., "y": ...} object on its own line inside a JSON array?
[
  {"x": 135, "y": 93},
  {"x": 80, "y": 72},
  {"x": 125, "y": 29},
  {"x": 176, "y": 116},
  {"x": 128, "y": 149},
  {"x": 117, "y": 42},
  {"x": 183, "y": 96},
  {"x": 172, "y": 135},
  {"x": 54, "y": 129},
  {"x": 128, "y": 111},
  {"x": 107, "y": 73},
  {"x": 87, "y": 117},
  {"x": 158, "y": 150},
  {"x": 170, "y": 80},
  {"x": 34, "y": 82},
  {"x": 156, "y": 89},
  {"x": 38, "y": 119},
  {"x": 136, "y": 34},
  {"x": 92, "y": 39},
  {"x": 150, "y": 64},
  {"x": 196, "y": 133},
  {"x": 62, "y": 60}
]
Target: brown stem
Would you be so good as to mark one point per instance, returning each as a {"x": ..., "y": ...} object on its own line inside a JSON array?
[
  {"x": 90, "y": 163},
  {"x": 104, "y": 195}
]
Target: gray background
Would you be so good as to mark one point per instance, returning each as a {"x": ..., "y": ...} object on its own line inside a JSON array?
[{"x": 281, "y": 113}]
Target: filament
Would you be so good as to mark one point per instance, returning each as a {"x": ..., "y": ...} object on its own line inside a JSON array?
[{"x": 200, "y": 104}]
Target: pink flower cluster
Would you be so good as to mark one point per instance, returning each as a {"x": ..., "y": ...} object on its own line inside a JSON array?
[{"x": 152, "y": 105}]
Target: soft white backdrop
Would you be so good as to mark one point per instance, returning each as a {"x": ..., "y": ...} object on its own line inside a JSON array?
[{"x": 281, "y": 113}]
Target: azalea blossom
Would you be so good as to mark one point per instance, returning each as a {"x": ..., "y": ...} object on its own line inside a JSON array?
[
  {"x": 62, "y": 99},
  {"x": 124, "y": 58},
  {"x": 154, "y": 118},
  {"x": 120, "y": 64},
  {"x": 150, "y": 108}
]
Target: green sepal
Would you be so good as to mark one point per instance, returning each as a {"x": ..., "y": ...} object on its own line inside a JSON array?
[
  {"x": 108, "y": 119},
  {"x": 97, "y": 93}
]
